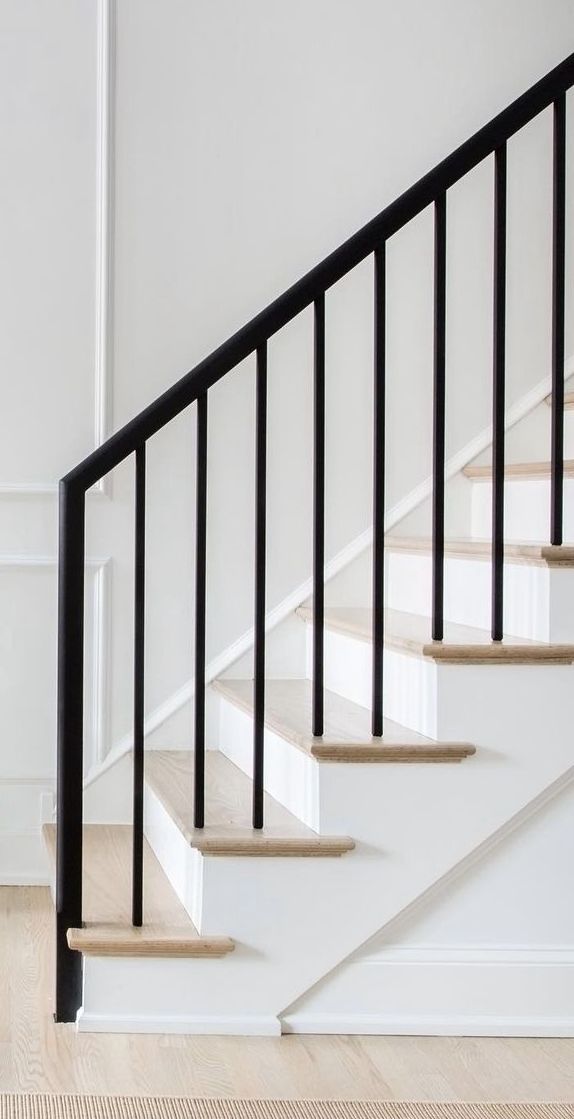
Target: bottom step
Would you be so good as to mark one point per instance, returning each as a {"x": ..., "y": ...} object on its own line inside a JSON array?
[{"x": 167, "y": 931}]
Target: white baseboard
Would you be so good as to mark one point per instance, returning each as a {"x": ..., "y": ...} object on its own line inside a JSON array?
[
  {"x": 482, "y": 990},
  {"x": 494, "y": 990},
  {"x": 25, "y": 803},
  {"x": 23, "y": 858},
  {"x": 245, "y": 1025},
  {"x": 429, "y": 1026}
]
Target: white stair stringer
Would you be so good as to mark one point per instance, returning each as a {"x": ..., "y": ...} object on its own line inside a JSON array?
[
  {"x": 294, "y": 919},
  {"x": 502, "y": 917}
]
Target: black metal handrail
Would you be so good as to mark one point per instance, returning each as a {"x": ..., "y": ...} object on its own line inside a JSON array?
[{"x": 371, "y": 240}]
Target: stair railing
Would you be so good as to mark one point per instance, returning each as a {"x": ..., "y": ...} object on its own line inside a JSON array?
[{"x": 430, "y": 190}]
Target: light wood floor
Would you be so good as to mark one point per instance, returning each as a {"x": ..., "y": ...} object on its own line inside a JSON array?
[{"x": 37, "y": 1056}]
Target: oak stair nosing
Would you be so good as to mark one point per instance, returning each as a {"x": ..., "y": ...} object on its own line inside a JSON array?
[
  {"x": 362, "y": 753},
  {"x": 94, "y": 939},
  {"x": 323, "y": 846},
  {"x": 536, "y": 555},
  {"x": 516, "y": 471},
  {"x": 568, "y": 400}
]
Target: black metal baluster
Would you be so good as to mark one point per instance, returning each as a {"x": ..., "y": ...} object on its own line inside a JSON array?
[
  {"x": 200, "y": 585},
  {"x": 439, "y": 405},
  {"x": 260, "y": 578},
  {"x": 139, "y": 667},
  {"x": 319, "y": 517},
  {"x": 558, "y": 269},
  {"x": 499, "y": 357},
  {"x": 70, "y": 749},
  {"x": 379, "y": 490}
]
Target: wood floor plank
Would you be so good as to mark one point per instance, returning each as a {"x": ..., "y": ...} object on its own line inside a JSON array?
[{"x": 41, "y": 1056}]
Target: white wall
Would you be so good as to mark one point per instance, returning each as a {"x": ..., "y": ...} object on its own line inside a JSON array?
[
  {"x": 48, "y": 100},
  {"x": 249, "y": 140},
  {"x": 497, "y": 939}
]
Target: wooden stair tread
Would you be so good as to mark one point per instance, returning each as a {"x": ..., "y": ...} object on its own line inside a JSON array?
[
  {"x": 347, "y": 735},
  {"x": 410, "y": 633},
  {"x": 517, "y": 470},
  {"x": 541, "y": 555},
  {"x": 168, "y": 929},
  {"x": 228, "y": 802},
  {"x": 568, "y": 400}
]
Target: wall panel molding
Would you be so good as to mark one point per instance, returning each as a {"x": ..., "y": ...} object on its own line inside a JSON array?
[
  {"x": 100, "y": 569},
  {"x": 103, "y": 358},
  {"x": 104, "y": 236}
]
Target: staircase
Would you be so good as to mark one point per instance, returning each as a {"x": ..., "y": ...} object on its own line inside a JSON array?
[{"x": 424, "y": 705}]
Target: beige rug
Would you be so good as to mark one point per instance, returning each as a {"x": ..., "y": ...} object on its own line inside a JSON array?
[{"x": 123, "y": 1107}]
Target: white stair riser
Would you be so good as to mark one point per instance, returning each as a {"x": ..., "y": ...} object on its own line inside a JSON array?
[
  {"x": 291, "y": 775},
  {"x": 418, "y": 692},
  {"x": 410, "y": 682},
  {"x": 527, "y": 510},
  {"x": 538, "y": 600},
  {"x": 171, "y": 996}
]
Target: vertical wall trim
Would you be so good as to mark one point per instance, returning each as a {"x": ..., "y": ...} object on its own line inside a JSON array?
[
  {"x": 104, "y": 250},
  {"x": 101, "y": 623},
  {"x": 105, "y": 160}
]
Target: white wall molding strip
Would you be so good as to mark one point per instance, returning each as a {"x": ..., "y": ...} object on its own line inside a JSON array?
[
  {"x": 105, "y": 193},
  {"x": 475, "y": 954},
  {"x": 101, "y": 569},
  {"x": 16, "y": 559},
  {"x": 28, "y": 782}
]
